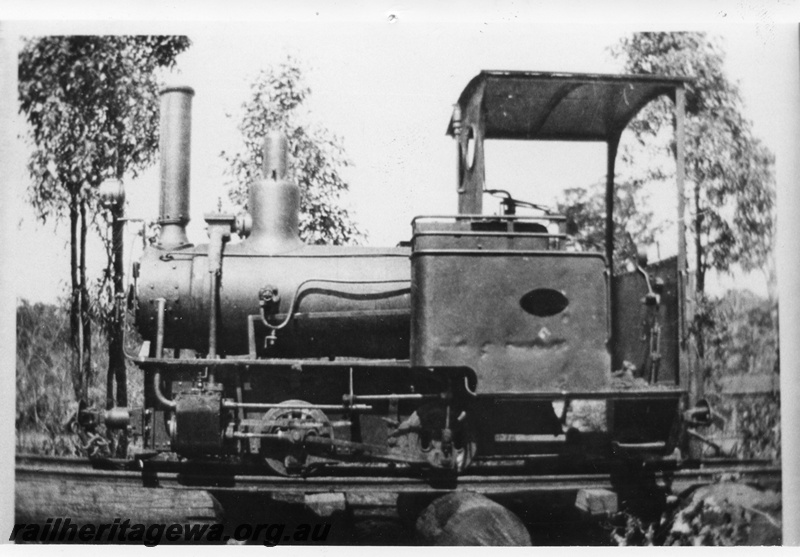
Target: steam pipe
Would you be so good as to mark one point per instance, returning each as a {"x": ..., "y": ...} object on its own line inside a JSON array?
[
  {"x": 213, "y": 312},
  {"x": 163, "y": 401},
  {"x": 161, "y": 304},
  {"x": 219, "y": 232},
  {"x": 175, "y": 149},
  {"x": 290, "y": 311}
]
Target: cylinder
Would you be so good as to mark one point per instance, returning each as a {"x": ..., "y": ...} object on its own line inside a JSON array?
[
  {"x": 175, "y": 150},
  {"x": 117, "y": 418}
]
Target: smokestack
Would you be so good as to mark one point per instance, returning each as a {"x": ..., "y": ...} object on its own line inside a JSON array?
[{"x": 175, "y": 148}]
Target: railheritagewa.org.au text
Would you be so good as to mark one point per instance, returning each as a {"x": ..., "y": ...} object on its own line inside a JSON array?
[{"x": 64, "y": 530}]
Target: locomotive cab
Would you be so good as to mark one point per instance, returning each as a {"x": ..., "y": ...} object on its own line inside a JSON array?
[{"x": 561, "y": 345}]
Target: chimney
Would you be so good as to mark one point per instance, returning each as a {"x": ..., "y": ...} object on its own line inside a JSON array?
[{"x": 175, "y": 149}]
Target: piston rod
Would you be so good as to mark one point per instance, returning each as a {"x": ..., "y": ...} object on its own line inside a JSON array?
[
  {"x": 269, "y": 406},
  {"x": 390, "y": 397}
]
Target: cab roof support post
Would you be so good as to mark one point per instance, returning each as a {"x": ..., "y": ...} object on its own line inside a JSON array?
[
  {"x": 612, "y": 144},
  {"x": 689, "y": 368}
]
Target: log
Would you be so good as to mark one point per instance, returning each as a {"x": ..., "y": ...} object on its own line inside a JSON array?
[
  {"x": 40, "y": 499},
  {"x": 465, "y": 518}
]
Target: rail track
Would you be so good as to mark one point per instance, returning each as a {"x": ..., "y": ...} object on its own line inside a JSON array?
[
  {"x": 371, "y": 506},
  {"x": 487, "y": 480}
]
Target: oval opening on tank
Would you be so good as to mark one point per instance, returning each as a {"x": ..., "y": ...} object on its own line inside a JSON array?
[{"x": 544, "y": 302}]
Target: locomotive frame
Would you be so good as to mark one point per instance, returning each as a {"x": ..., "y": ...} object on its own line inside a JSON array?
[{"x": 483, "y": 338}]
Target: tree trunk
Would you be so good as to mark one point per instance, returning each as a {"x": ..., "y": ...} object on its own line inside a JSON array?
[
  {"x": 86, "y": 329},
  {"x": 700, "y": 298},
  {"x": 700, "y": 273},
  {"x": 700, "y": 268},
  {"x": 75, "y": 328},
  {"x": 110, "y": 401}
]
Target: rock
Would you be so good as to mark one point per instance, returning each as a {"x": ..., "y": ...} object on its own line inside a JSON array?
[{"x": 465, "y": 518}]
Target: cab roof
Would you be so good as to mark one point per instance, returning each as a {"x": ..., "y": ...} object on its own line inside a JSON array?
[{"x": 561, "y": 106}]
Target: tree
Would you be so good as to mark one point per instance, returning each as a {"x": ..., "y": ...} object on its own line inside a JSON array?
[
  {"x": 729, "y": 171},
  {"x": 316, "y": 157},
  {"x": 585, "y": 209},
  {"x": 92, "y": 106}
]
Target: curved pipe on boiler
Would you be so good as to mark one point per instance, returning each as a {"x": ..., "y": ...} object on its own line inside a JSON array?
[
  {"x": 163, "y": 401},
  {"x": 290, "y": 311}
]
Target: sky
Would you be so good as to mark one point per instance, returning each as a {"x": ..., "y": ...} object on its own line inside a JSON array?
[{"x": 386, "y": 88}]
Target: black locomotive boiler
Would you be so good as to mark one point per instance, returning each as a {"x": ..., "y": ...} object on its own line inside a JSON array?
[{"x": 484, "y": 337}]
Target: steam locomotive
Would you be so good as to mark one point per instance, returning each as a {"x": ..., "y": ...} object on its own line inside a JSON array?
[{"x": 483, "y": 338}]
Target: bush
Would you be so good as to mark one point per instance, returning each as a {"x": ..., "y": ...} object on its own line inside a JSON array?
[
  {"x": 46, "y": 408},
  {"x": 752, "y": 425},
  {"x": 741, "y": 335},
  {"x": 741, "y": 338},
  {"x": 719, "y": 514}
]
